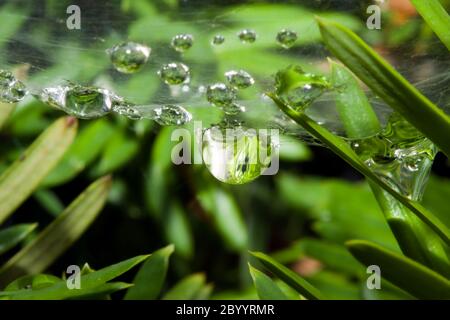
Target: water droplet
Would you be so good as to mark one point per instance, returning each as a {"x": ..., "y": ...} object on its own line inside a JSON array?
[
  {"x": 79, "y": 101},
  {"x": 218, "y": 39},
  {"x": 11, "y": 89},
  {"x": 286, "y": 38},
  {"x": 129, "y": 57},
  {"x": 239, "y": 79},
  {"x": 170, "y": 115},
  {"x": 298, "y": 88},
  {"x": 219, "y": 94},
  {"x": 128, "y": 111},
  {"x": 247, "y": 36},
  {"x": 233, "y": 108},
  {"x": 182, "y": 42},
  {"x": 236, "y": 155},
  {"x": 174, "y": 73}
]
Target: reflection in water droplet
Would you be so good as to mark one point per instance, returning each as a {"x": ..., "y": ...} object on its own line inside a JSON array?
[
  {"x": 79, "y": 101},
  {"x": 286, "y": 38},
  {"x": 219, "y": 94},
  {"x": 218, "y": 39},
  {"x": 11, "y": 89},
  {"x": 247, "y": 36},
  {"x": 232, "y": 108},
  {"x": 182, "y": 42},
  {"x": 170, "y": 115},
  {"x": 298, "y": 88},
  {"x": 239, "y": 79},
  {"x": 128, "y": 111},
  {"x": 174, "y": 73},
  {"x": 236, "y": 155},
  {"x": 129, "y": 57}
]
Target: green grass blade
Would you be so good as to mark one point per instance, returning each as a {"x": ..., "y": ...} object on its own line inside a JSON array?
[
  {"x": 288, "y": 276},
  {"x": 405, "y": 273},
  {"x": 26, "y": 173},
  {"x": 342, "y": 149},
  {"x": 59, "y": 235},
  {"x": 266, "y": 288},
  {"x": 187, "y": 289},
  {"x": 436, "y": 17},
  {"x": 92, "y": 282},
  {"x": 13, "y": 235},
  {"x": 6, "y": 110},
  {"x": 150, "y": 278},
  {"x": 387, "y": 83}
]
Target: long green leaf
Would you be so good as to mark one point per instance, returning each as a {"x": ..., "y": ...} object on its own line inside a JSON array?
[
  {"x": 13, "y": 235},
  {"x": 342, "y": 149},
  {"x": 91, "y": 282},
  {"x": 405, "y": 273},
  {"x": 24, "y": 175},
  {"x": 266, "y": 288},
  {"x": 59, "y": 235},
  {"x": 436, "y": 17},
  {"x": 150, "y": 278},
  {"x": 387, "y": 83},
  {"x": 187, "y": 289},
  {"x": 289, "y": 277}
]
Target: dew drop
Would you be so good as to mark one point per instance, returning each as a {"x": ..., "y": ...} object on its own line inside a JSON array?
[
  {"x": 128, "y": 57},
  {"x": 298, "y": 88},
  {"x": 219, "y": 94},
  {"x": 218, "y": 39},
  {"x": 247, "y": 36},
  {"x": 128, "y": 111},
  {"x": 286, "y": 38},
  {"x": 236, "y": 155},
  {"x": 11, "y": 89},
  {"x": 170, "y": 115},
  {"x": 239, "y": 79},
  {"x": 82, "y": 102},
  {"x": 182, "y": 42},
  {"x": 174, "y": 73}
]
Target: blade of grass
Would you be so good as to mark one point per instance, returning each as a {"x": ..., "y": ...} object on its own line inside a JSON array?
[
  {"x": 187, "y": 289},
  {"x": 387, "y": 83},
  {"x": 436, "y": 17},
  {"x": 407, "y": 274},
  {"x": 59, "y": 235},
  {"x": 26, "y": 173},
  {"x": 266, "y": 288},
  {"x": 13, "y": 235},
  {"x": 342, "y": 149},
  {"x": 289, "y": 277},
  {"x": 150, "y": 278}
]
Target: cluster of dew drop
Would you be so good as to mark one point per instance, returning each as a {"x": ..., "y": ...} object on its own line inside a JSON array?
[{"x": 90, "y": 102}]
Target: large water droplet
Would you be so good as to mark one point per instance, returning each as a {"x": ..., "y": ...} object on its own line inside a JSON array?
[
  {"x": 236, "y": 156},
  {"x": 219, "y": 94},
  {"x": 247, "y": 36},
  {"x": 79, "y": 101},
  {"x": 174, "y": 73},
  {"x": 286, "y": 38},
  {"x": 239, "y": 79},
  {"x": 170, "y": 115},
  {"x": 298, "y": 88},
  {"x": 218, "y": 39},
  {"x": 182, "y": 42},
  {"x": 11, "y": 89},
  {"x": 129, "y": 57}
]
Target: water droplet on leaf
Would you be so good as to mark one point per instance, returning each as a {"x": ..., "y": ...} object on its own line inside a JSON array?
[
  {"x": 182, "y": 42},
  {"x": 129, "y": 57},
  {"x": 128, "y": 111},
  {"x": 170, "y": 115},
  {"x": 11, "y": 89},
  {"x": 239, "y": 79},
  {"x": 236, "y": 155},
  {"x": 247, "y": 36},
  {"x": 218, "y": 39},
  {"x": 298, "y": 88},
  {"x": 174, "y": 73},
  {"x": 286, "y": 38},
  {"x": 219, "y": 94}
]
